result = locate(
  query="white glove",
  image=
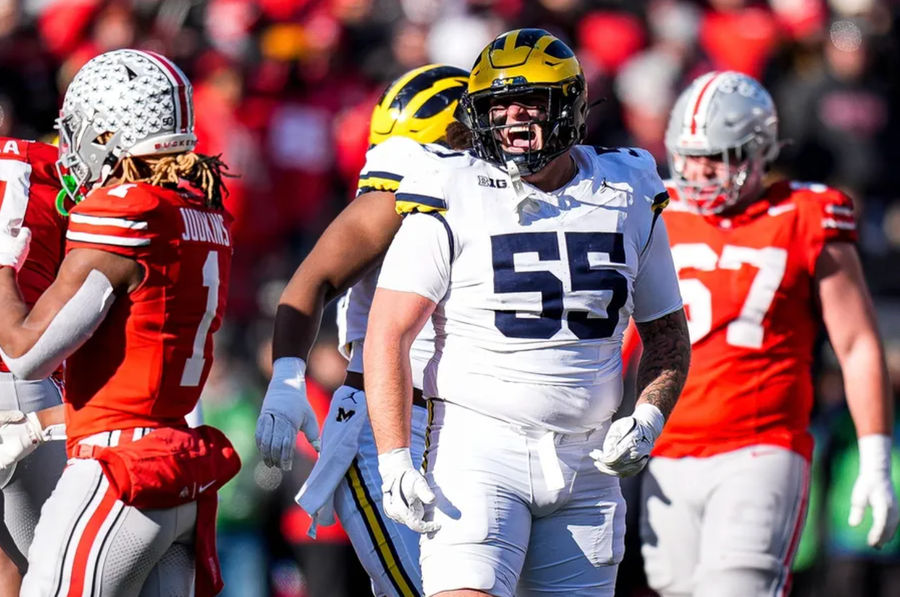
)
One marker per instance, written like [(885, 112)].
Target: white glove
[(20, 435), (873, 488), (14, 242), (405, 491), (285, 409), (628, 442)]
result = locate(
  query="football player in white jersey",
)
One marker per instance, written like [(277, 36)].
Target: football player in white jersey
[(417, 107), (529, 258)]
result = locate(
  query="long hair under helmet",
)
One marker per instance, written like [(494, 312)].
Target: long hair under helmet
[(420, 104), (523, 63), (123, 103), (729, 117)]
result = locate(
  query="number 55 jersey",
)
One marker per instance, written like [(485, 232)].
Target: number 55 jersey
[(748, 285), (149, 358), (534, 289)]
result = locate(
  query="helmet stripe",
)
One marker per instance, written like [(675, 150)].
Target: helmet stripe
[(183, 114), (422, 81), (531, 37), (701, 102)]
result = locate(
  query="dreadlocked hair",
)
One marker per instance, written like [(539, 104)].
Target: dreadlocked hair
[(202, 171)]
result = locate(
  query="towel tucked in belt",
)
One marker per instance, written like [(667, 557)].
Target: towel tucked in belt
[(340, 442)]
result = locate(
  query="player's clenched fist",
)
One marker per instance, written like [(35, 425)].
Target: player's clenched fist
[(20, 435), (406, 491), (285, 409), (628, 442), (14, 242), (873, 489)]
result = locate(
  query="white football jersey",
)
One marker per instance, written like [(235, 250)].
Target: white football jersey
[(386, 165), (533, 295)]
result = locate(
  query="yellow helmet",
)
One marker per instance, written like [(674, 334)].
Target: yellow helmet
[(419, 105), (519, 63)]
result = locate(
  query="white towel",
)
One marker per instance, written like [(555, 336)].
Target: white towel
[(340, 443)]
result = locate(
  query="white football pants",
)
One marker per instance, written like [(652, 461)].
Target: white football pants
[(27, 484), (723, 526), (89, 543), (388, 550), (521, 512)]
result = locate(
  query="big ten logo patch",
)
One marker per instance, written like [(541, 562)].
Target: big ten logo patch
[(492, 183)]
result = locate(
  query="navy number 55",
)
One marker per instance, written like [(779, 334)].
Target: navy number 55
[(578, 245)]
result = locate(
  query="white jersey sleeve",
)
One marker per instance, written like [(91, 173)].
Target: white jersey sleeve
[(656, 291), (656, 284), (419, 258), (387, 164)]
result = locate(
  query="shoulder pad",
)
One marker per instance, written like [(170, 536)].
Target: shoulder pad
[(660, 202), (633, 157), (600, 150), (407, 203), (124, 200), (386, 165), (441, 152), (828, 208), (817, 193), (43, 157), (422, 193), (122, 219)]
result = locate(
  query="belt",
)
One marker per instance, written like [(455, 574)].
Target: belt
[(357, 380), (89, 446)]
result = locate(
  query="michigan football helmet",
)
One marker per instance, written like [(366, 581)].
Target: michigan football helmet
[(527, 63), (122, 103), (730, 118), (420, 104)]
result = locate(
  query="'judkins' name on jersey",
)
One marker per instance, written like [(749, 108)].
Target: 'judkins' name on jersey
[(204, 226)]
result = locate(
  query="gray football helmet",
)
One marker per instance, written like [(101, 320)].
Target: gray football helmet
[(141, 98), (729, 117)]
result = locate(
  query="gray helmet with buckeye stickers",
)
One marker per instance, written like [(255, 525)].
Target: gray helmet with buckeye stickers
[(122, 103), (726, 116)]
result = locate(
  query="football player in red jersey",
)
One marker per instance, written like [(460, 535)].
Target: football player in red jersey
[(132, 310), (28, 190), (759, 264)]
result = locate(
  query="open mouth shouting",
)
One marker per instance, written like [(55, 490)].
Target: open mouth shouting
[(521, 138)]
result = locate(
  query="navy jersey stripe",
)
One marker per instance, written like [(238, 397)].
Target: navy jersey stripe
[(380, 174), (443, 221), (422, 199)]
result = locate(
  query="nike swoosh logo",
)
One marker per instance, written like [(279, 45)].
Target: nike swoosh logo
[(205, 487)]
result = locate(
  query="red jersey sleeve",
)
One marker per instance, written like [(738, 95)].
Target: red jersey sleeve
[(827, 216), (123, 220), (28, 188)]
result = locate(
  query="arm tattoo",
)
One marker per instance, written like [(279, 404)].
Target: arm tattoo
[(665, 361)]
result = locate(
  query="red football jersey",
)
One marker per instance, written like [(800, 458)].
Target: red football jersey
[(28, 188), (147, 362), (749, 295)]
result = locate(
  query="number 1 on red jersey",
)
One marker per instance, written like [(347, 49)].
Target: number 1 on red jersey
[(193, 367)]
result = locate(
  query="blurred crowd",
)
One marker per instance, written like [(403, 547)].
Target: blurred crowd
[(284, 90)]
